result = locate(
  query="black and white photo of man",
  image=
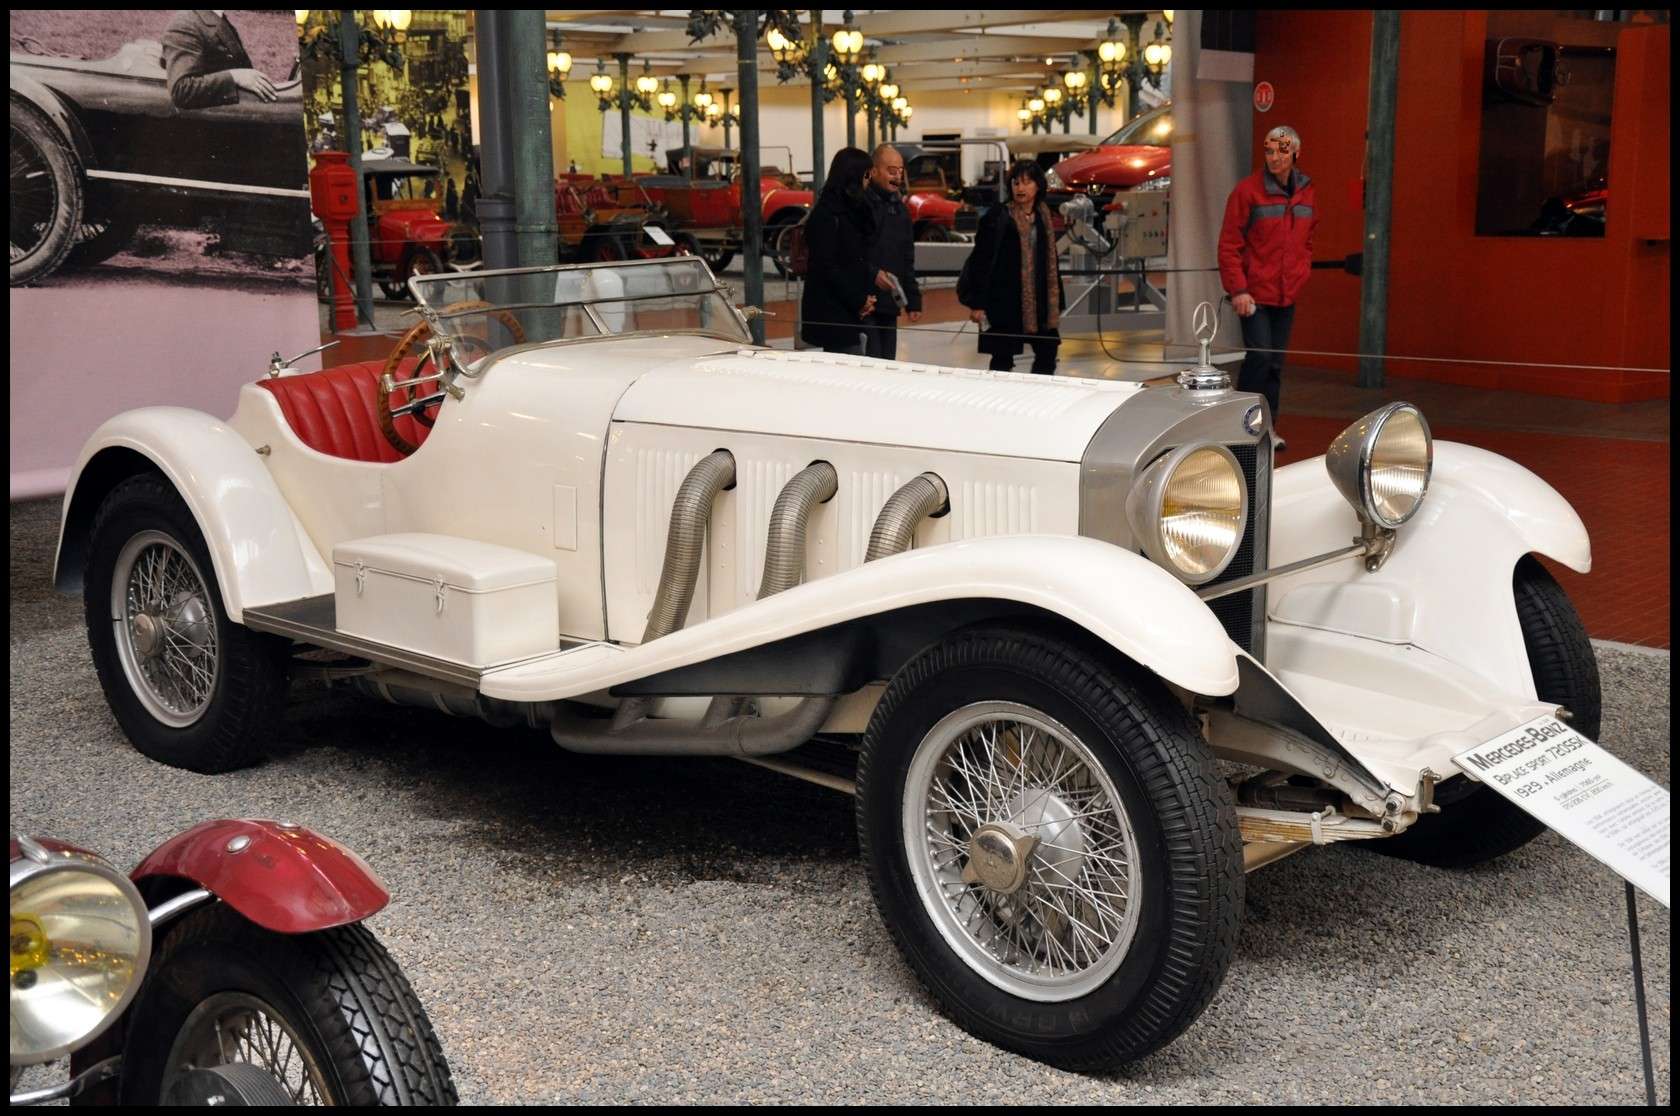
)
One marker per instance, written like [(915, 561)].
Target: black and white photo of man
[(207, 63)]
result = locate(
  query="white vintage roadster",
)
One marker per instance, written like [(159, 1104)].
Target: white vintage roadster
[(1035, 610)]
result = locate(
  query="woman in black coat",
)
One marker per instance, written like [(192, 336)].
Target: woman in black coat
[(1011, 283), (839, 282)]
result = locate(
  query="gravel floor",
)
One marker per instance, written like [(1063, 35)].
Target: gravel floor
[(605, 930)]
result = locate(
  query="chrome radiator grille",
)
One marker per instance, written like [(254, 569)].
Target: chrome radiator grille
[(1244, 614)]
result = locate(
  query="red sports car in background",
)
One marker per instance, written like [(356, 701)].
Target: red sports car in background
[(1134, 158)]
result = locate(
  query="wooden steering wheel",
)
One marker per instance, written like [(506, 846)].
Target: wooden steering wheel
[(391, 381)]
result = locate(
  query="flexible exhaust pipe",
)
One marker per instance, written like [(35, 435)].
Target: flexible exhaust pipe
[(752, 736), (784, 552), (684, 543), (896, 526)]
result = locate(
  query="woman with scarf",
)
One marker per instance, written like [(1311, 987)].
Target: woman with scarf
[(1010, 283), (839, 280)]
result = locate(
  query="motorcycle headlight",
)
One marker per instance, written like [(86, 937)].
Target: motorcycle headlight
[(81, 938), (1381, 464), (1188, 510), (1053, 179)]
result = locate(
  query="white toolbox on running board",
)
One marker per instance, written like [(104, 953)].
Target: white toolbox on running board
[(455, 599)]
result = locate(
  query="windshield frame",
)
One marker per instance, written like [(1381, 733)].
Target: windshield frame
[(438, 317)]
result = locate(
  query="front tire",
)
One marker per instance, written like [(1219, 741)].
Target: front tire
[(1476, 824), (1050, 846), (47, 196), (189, 687), (329, 1015)]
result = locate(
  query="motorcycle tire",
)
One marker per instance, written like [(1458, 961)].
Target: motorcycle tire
[(331, 1009)]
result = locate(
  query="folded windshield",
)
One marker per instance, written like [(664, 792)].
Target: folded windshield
[(483, 312)]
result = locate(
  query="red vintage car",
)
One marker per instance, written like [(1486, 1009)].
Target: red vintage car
[(409, 234), (937, 211), (701, 191), (602, 220), (1134, 158)]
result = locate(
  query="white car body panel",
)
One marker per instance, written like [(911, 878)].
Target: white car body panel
[(646, 465), (259, 548), (1142, 611), (882, 403), (1446, 588)]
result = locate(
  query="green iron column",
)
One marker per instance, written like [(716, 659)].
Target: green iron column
[(752, 201), (350, 41), (535, 227), (1379, 195), (819, 61), (686, 109), (624, 107)]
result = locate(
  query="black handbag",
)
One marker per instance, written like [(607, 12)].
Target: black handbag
[(970, 285)]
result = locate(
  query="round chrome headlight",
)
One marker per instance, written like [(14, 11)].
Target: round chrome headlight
[(81, 939), (1382, 463), (1053, 180), (1188, 511)]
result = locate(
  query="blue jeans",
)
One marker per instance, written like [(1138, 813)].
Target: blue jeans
[(1262, 373)]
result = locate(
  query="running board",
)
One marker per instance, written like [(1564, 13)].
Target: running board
[(314, 620)]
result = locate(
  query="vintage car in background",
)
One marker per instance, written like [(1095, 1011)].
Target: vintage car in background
[(1045, 150), (98, 150), (701, 192), (231, 967), (408, 232), (608, 219), (937, 209), (1136, 157), (1019, 617)]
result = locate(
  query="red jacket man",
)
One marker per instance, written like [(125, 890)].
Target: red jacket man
[(1265, 256)]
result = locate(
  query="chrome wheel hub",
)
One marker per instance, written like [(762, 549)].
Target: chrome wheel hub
[(1021, 851), (232, 1027), (165, 630)]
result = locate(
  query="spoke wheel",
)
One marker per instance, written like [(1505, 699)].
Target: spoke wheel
[(166, 633), (189, 687), (232, 1028), (1022, 851), (1049, 844)]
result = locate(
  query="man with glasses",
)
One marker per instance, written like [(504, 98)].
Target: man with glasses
[(1265, 256)]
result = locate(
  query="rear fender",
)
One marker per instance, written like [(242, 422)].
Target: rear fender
[(258, 548), (279, 875), (837, 624), (1446, 588)]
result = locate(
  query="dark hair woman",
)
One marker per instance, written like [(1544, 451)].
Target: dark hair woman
[(839, 283), (1010, 282)]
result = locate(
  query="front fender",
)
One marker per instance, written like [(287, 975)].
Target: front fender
[(279, 875), (1128, 602), (1446, 588), (258, 548), (53, 107)]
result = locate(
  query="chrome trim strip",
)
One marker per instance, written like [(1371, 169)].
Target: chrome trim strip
[(198, 184), (163, 912), (314, 620)]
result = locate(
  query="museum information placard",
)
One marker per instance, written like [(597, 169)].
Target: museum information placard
[(1588, 795)]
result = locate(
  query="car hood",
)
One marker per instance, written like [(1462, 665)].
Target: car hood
[(856, 399), (1120, 165)]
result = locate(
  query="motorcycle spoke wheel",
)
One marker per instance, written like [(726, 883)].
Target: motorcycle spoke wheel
[(231, 1028)]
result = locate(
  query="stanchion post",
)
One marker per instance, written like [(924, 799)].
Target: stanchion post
[(1379, 193), (350, 45), (1639, 998), (752, 201)]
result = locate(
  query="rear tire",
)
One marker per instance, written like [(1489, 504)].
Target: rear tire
[(1135, 930), (1476, 823), (189, 687)]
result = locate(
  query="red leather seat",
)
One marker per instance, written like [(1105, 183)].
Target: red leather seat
[(333, 411)]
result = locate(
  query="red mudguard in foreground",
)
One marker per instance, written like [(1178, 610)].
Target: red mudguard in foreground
[(279, 875)]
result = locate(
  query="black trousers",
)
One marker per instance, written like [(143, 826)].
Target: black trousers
[(1044, 356), (881, 338), (1262, 372)]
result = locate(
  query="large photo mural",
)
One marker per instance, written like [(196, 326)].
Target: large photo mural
[(158, 177)]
